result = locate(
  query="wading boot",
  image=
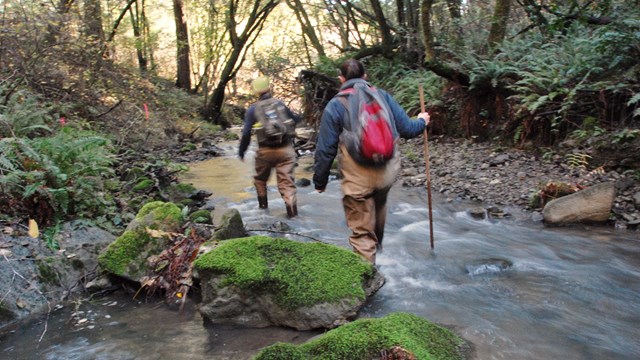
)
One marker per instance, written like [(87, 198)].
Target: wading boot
[(292, 211), (262, 202)]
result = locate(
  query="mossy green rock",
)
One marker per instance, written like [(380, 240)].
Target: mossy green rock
[(127, 255), (201, 217), (261, 281), (177, 193), (369, 338), (158, 215), (143, 185)]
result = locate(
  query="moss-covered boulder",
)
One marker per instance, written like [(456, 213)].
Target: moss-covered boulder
[(396, 336), (180, 192), (201, 217), (262, 281), (231, 226), (143, 185), (158, 215), (128, 255)]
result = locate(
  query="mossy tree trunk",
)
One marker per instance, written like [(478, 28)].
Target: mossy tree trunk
[(499, 23)]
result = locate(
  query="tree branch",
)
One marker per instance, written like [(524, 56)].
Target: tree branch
[(119, 19)]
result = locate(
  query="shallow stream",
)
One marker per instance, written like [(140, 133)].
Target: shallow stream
[(514, 289)]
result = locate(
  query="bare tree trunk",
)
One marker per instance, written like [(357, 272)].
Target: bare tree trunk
[(135, 23), (93, 21), (400, 13), (307, 26), (146, 36), (385, 30), (182, 43), (94, 33), (240, 42)]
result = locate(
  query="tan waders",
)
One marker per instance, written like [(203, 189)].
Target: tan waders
[(365, 192), (283, 160)]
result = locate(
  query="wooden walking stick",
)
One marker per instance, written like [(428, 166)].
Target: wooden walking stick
[(426, 159)]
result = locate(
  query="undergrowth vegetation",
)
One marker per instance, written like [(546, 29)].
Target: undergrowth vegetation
[(51, 170), (541, 86), (561, 83), (78, 135)]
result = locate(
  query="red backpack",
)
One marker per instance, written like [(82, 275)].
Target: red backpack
[(368, 128)]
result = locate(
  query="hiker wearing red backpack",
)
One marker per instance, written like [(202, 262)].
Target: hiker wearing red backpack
[(362, 125), (274, 126)]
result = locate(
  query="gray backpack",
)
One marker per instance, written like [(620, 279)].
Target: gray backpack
[(274, 126)]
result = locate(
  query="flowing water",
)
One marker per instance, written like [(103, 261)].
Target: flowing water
[(514, 289)]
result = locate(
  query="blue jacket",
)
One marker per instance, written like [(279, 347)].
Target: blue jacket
[(250, 119), (332, 123)]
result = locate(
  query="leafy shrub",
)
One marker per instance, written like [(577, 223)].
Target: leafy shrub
[(402, 82), (22, 116), (50, 178)]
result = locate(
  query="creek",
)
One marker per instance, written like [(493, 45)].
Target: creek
[(514, 289)]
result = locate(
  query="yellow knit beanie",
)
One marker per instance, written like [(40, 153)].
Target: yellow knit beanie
[(260, 85)]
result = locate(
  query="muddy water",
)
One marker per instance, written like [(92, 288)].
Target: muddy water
[(515, 290)]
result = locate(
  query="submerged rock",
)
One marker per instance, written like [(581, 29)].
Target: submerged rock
[(261, 281), (395, 336), (488, 266)]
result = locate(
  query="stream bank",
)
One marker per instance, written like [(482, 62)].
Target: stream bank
[(492, 175)]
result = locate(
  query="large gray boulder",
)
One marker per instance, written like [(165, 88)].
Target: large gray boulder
[(261, 281), (592, 204), (35, 276)]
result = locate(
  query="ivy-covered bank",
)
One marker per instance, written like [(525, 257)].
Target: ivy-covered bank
[(396, 336)]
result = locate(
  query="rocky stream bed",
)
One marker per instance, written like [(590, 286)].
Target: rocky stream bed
[(508, 178), (502, 180)]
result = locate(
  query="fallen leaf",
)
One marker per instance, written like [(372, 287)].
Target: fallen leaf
[(5, 252), (33, 229), (7, 230), (21, 304), (156, 233)]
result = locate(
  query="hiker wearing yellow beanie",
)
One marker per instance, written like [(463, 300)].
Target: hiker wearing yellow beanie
[(260, 85), (274, 125)]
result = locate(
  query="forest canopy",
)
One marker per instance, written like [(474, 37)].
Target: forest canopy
[(515, 69)]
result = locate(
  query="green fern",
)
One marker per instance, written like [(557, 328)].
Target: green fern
[(23, 116), (577, 160)]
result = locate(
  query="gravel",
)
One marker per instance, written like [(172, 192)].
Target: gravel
[(507, 177)]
